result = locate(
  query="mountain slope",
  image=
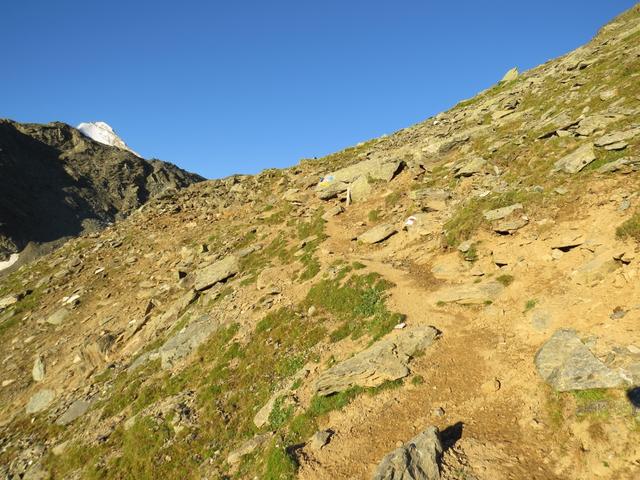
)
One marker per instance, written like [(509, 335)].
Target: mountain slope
[(56, 182), (477, 273)]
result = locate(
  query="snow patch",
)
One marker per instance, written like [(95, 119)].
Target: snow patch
[(13, 258), (103, 133)]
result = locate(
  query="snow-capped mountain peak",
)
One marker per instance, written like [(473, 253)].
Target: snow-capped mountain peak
[(103, 133)]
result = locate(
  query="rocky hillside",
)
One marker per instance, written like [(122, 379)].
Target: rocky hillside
[(456, 301), (57, 182)]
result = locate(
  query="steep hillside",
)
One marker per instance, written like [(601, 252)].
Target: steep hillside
[(458, 300), (56, 183)]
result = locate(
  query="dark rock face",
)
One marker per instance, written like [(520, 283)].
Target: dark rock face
[(56, 183)]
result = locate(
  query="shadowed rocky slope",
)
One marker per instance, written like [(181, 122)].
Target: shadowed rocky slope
[(56, 183)]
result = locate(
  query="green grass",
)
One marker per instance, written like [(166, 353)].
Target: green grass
[(374, 215), (358, 304), (630, 228), (505, 280), (468, 218), (392, 199), (530, 304)]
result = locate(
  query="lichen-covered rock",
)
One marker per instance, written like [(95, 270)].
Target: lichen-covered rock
[(566, 363), (418, 459), (385, 360)]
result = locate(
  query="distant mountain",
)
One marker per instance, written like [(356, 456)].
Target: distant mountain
[(57, 182), (102, 132)]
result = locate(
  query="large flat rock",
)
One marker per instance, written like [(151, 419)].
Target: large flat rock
[(378, 233), (566, 364), (385, 360), (470, 294), (576, 160), (217, 272)]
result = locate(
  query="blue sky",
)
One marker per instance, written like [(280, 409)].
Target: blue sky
[(238, 86)]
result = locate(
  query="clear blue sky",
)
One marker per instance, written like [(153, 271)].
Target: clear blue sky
[(221, 87)]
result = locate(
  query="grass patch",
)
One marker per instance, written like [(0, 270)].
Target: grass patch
[(468, 218), (530, 304), (358, 303), (630, 228), (374, 215), (505, 280)]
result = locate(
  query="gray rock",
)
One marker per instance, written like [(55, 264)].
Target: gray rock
[(418, 459), (503, 212), (360, 190), (469, 167), (38, 370), (262, 417), (332, 212), (319, 439), (576, 160), (332, 190), (247, 447), (375, 169), (9, 300), (40, 401), (510, 225), (626, 163), (217, 272), (471, 294), (617, 137), (566, 364), (186, 340), (511, 75), (596, 269), (385, 360), (378, 233), (431, 198), (59, 316), (75, 410)]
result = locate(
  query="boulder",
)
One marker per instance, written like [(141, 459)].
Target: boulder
[(596, 269), (470, 294), (38, 370), (59, 316), (576, 160), (385, 360), (319, 439), (469, 167), (417, 459), (9, 300), (616, 137), (332, 190), (511, 75), (40, 401), (431, 198), (510, 225), (503, 212), (378, 234), (566, 363), (217, 272), (247, 447), (186, 340), (626, 164), (332, 212), (75, 410), (360, 190)]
